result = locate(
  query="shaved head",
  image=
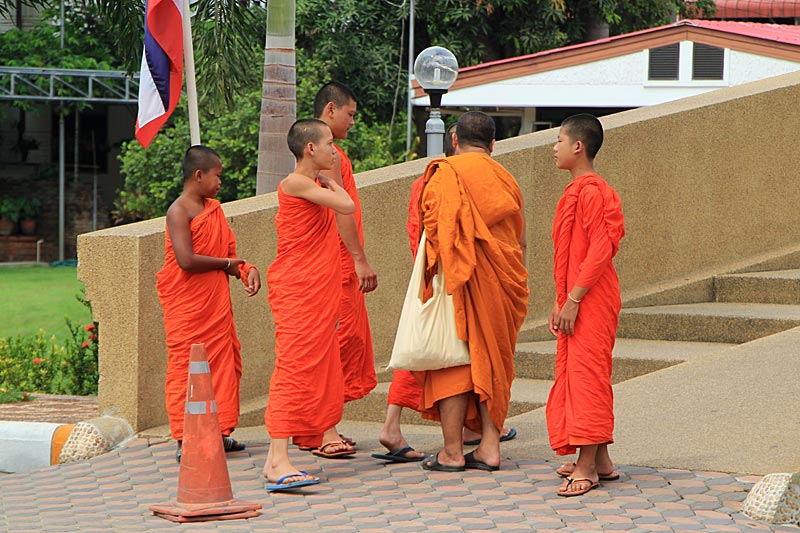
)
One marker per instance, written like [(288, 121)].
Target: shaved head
[(302, 132), (199, 157), (587, 129)]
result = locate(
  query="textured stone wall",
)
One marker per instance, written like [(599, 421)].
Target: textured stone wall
[(705, 182)]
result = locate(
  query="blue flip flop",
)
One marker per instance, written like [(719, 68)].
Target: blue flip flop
[(398, 456), (511, 434), (280, 485)]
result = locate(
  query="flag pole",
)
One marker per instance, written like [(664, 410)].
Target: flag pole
[(191, 86)]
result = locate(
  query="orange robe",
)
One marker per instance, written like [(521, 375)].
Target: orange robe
[(404, 390), (305, 391), (355, 339), (197, 309), (587, 230), (472, 215)]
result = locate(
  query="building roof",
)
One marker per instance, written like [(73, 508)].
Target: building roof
[(771, 40), (752, 9)]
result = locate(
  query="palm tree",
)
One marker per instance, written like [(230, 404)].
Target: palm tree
[(278, 97)]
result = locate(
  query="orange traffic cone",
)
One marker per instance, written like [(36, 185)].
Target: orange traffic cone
[(204, 487)]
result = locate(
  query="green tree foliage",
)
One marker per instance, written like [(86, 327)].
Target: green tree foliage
[(153, 178)]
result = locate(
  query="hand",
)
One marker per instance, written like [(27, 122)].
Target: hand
[(253, 282), (552, 321), (233, 269), (567, 317), (327, 182), (367, 278)]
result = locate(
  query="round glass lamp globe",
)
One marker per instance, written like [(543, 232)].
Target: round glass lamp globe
[(436, 68)]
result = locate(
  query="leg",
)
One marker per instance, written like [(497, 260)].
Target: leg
[(278, 464), (488, 450), (585, 472), (452, 411), (604, 465), (391, 436)]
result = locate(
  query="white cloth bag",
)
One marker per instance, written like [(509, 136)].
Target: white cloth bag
[(427, 338)]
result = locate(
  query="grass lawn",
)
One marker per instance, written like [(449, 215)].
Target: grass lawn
[(40, 297)]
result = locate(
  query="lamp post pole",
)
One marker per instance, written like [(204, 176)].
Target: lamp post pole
[(434, 127)]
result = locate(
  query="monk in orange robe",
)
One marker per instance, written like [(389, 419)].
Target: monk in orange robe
[(306, 389), (587, 230), (195, 296), (404, 391), (336, 105), (472, 213)]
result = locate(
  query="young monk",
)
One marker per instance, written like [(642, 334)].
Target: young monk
[(472, 213), (404, 390), (587, 230), (336, 105), (195, 297), (306, 389)]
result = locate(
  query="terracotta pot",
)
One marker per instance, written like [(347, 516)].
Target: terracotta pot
[(27, 226), (7, 227)]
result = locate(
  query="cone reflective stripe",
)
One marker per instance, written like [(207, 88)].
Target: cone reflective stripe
[(204, 486)]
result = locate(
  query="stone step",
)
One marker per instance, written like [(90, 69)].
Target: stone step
[(707, 322), (632, 357), (526, 395), (773, 287)]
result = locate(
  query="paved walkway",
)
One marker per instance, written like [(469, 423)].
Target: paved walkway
[(113, 492)]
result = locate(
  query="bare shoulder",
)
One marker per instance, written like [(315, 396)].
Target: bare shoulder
[(296, 184)]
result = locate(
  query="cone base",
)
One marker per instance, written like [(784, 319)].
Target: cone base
[(204, 512)]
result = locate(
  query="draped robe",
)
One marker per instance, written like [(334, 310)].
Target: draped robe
[(471, 210), (306, 389), (197, 309), (587, 230), (355, 338)]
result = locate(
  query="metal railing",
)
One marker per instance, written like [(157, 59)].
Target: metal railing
[(68, 85)]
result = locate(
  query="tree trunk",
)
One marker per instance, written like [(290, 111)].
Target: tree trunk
[(278, 97)]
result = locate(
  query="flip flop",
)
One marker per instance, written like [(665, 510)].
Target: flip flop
[(611, 476), (398, 456), (503, 438), (320, 452), (476, 464), (280, 485), (232, 445), (569, 493), (432, 463)]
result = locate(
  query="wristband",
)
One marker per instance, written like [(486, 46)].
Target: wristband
[(229, 263), (573, 299)]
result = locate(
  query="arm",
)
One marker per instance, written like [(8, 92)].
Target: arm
[(246, 272), (329, 195), (348, 232), (598, 256), (180, 234)]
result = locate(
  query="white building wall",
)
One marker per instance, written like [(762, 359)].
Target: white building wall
[(615, 82)]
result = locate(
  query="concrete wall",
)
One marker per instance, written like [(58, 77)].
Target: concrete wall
[(706, 183)]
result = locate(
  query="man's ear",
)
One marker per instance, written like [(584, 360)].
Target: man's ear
[(491, 147), (330, 108), (197, 174), (579, 147)]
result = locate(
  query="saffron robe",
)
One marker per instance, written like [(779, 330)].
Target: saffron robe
[(306, 389), (472, 213), (587, 230), (355, 338), (197, 309), (404, 389)]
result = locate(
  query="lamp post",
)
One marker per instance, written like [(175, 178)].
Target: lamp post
[(435, 69)]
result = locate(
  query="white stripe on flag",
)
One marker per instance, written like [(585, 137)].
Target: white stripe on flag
[(150, 105)]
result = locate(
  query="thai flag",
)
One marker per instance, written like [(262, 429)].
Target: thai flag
[(162, 67)]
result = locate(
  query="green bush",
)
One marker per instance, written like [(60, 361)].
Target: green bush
[(38, 363)]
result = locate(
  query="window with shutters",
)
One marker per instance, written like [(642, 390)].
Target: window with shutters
[(664, 62), (708, 62)]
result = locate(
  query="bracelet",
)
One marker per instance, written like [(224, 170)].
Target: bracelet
[(573, 299), (229, 263)]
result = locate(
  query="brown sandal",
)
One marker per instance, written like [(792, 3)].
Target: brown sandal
[(569, 493), (320, 452)]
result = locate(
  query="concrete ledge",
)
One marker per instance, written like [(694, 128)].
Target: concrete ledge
[(775, 499), (29, 445)]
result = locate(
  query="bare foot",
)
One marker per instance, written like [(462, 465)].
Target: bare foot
[(275, 470), (471, 436), (396, 442), (603, 471)]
